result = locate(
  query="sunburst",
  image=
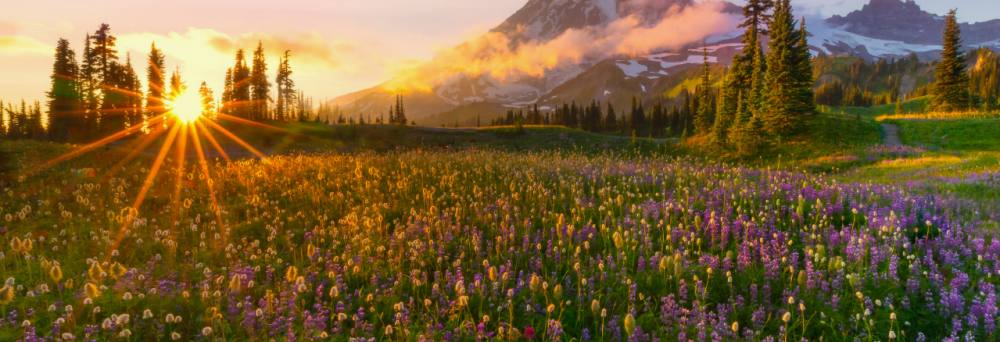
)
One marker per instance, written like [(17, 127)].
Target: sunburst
[(184, 115), (187, 107)]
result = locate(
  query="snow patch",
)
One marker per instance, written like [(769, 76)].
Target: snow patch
[(876, 47), (609, 8), (633, 68), (712, 49), (691, 60), (606, 93)]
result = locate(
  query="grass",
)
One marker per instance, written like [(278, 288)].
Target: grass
[(957, 135), (917, 105), (444, 235)]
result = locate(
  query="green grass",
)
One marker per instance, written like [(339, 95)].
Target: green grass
[(916, 105), (957, 135)]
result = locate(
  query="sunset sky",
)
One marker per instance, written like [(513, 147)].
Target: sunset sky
[(337, 46)]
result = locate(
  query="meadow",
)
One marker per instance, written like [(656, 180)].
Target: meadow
[(460, 240)]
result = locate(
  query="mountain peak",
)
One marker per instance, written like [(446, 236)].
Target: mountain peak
[(546, 19), (892, 20)]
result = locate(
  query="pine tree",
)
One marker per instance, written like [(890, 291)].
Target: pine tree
[(951, 91), (177, 86), (63, 97), (227, 93), (3, 127), (133, 88), (400, 110), (703, 119), (755, 16), (240, 98), (286, 88), (90, 88), (36, 130), (207, 100), (899, 107), (260, 86), (805, 98), (725, 113), (156, 82), (611, 121), (783, 96), (111, 76)]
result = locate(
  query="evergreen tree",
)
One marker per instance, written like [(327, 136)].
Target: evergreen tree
[(133, 93), (227, 93), (805, 98), (90, 88), (951, 91), (36, 131), (177, 86), (286, 87), (725, 113), (611, 121), (400, 110), (156, 82), (703, 119), (207, 100), (260, 86), (240, 98), (783, 101), (108, 74), (899, 107), (3, 126), (63, 96), (755, 16)]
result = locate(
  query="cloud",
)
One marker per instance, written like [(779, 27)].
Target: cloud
[(308, 48), (206, 47), (7, 29), (490, 54), (21, 45)]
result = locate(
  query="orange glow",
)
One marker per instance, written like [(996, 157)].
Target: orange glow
[(187, 107)]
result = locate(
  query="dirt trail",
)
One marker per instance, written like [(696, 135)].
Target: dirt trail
[(891, 135)]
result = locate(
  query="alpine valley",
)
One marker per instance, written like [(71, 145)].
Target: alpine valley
[(884, 30)]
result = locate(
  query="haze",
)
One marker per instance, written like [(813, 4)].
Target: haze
[(337, 47)]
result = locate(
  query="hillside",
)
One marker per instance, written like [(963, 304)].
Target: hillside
[(881, 29)]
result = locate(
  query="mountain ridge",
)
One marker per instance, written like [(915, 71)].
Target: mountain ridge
[(867, 33)]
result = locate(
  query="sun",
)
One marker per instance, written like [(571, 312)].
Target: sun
[(187, 107)]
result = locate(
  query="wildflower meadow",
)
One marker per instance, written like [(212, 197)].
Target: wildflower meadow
[(495, 245)]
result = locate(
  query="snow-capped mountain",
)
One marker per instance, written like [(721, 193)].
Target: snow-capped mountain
[(882, 28)]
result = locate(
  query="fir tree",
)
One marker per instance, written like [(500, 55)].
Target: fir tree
[(783, 101), (951, 91), (286, 87), (611, 121), (90, 89), (400, 110), (703, 119), (260, 93), (63, 96), (156, 82), (227, 93), (240, 97), (207, 100)]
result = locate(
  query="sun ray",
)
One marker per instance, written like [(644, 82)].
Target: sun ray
[(212, 140), (133, 152), (181, 149), (236, 139), (255, 123), (156, 166), (208, 176), (89, 147)]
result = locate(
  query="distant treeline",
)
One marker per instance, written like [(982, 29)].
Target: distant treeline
[(101, 94)]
